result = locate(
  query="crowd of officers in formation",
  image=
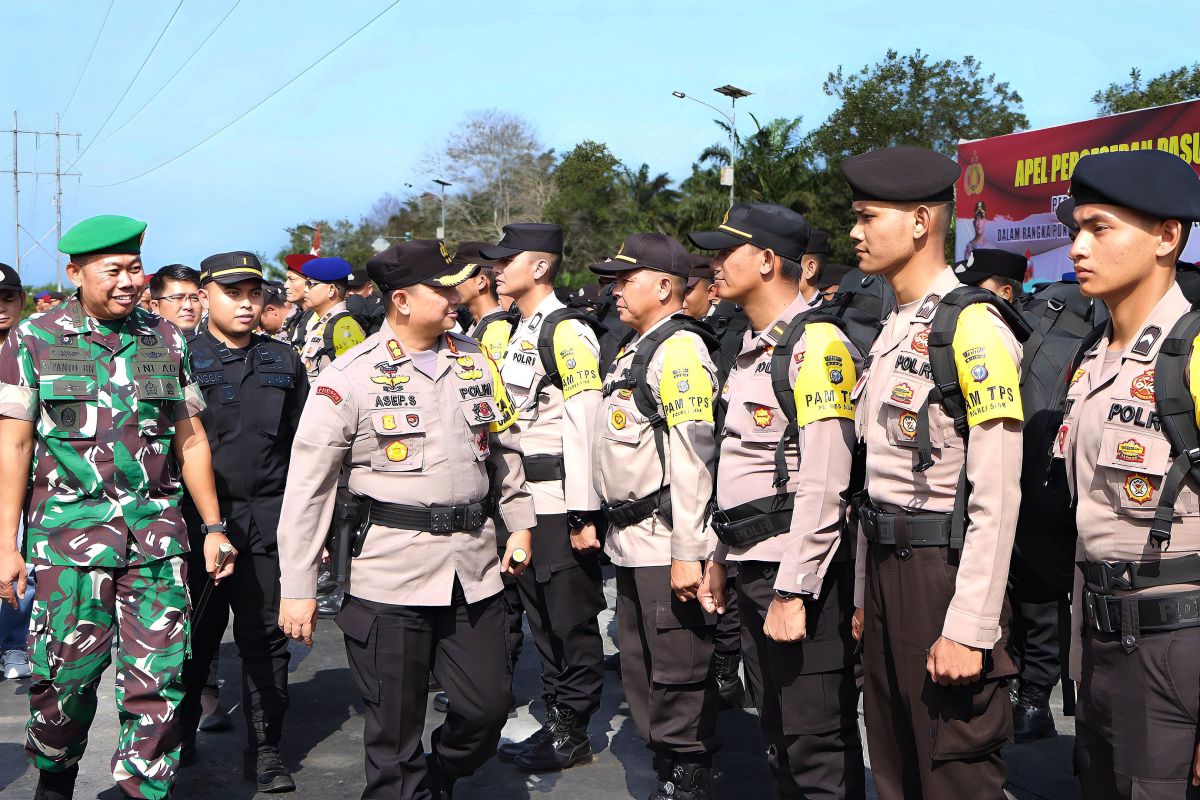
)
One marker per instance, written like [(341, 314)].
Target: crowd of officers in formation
[(776, 491)]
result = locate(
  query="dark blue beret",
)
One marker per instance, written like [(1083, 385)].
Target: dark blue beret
[(326, 269)]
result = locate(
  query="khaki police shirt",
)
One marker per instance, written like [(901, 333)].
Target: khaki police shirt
[(557, 421), (1117, 454), (823, 369), (404, 438), (895, 384), (625, 461)]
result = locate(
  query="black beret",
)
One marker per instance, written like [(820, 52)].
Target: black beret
[(901, 174), (763, 225), (1066, 214), (230, 268), (986, 263), (1153, 182), (419, 261), (521, 237)]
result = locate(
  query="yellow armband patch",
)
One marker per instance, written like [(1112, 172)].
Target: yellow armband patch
[(685, 388), (1194, 376), (577, 365), (826, 376), (346, 333), (987, 374), (494, 339), (506, 410)]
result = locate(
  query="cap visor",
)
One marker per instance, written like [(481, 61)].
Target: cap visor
[(610, 267), (715, 240), (452, 276), (971, 277), (496, 252)]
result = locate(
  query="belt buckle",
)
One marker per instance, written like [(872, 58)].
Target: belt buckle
[(1114, 573)]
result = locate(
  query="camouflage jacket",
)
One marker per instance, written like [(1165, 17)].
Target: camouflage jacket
[(104, 397)]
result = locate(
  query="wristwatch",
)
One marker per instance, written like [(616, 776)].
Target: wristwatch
[(216, 527), (577, 519)]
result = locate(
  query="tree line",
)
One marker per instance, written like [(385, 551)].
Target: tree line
[(501, 171)]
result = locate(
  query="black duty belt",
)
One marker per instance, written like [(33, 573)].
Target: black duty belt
[(904, 530), (1168, 612), (756, 521), (624, 515), (435, 519), (544, 468), (1105, 576)]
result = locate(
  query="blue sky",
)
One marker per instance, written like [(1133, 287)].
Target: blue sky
[(357, 125)]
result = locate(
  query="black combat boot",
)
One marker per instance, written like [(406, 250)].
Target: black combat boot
[(684, 781), (509, 751), (439, 783), (56, 785), (1032, 718), (566, 745), (260, 760), (730, 689)]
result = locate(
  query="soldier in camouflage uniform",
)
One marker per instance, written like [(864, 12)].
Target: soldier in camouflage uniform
[(99, 396)]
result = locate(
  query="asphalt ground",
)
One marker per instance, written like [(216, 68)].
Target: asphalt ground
[(323, 742)]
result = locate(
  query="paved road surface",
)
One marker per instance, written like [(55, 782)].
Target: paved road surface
[(323, 743)]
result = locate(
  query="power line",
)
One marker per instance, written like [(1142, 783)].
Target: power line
[(236, 119), (168, 82), (91, 53), (129, 86)]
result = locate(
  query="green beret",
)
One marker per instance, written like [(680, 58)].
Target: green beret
[(107, 233)]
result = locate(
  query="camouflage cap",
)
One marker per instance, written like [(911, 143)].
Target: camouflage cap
[(108, 233)]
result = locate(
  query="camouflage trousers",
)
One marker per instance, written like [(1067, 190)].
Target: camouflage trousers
[(76, 613)]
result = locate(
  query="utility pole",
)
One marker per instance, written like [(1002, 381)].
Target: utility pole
[(58, 174)]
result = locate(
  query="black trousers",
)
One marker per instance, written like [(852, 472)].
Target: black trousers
[(805, 692), (728, 637), (1035, 642), (666, 655), (562, 595), (252, 593), (1135, 725), (391, 650)]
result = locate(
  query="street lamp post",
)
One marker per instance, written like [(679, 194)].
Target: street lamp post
[(443, 184), (734, 94)]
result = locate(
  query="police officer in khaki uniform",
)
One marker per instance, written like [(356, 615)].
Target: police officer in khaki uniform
[(420, 418), (796, 577), (934, 634), (656, 478), (561, 593), (493, 325), (1137, 599), (332, 330)]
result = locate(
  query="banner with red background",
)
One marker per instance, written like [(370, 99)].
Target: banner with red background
[(1011, 184)]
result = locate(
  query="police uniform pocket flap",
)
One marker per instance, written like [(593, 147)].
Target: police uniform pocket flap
[(68, 389), (398, 423), (1124, 449), (479, 412), (356, 622), (620, 423), (672, 614), (764, 422), (905, 392)]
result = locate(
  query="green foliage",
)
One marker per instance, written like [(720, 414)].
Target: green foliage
[(1173, 86), (593, 207)]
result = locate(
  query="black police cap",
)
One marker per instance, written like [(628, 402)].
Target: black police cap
[(901, 174), (832, 275), (230, 268), (702, 267), (9, 279), (419, 261), (763, 225), (1153, 182), (818, 243), (468, 255), (522, 237), (988, 263), (656, 251)]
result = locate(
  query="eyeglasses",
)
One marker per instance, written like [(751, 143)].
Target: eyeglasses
[(179, 299), (310, 283)]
